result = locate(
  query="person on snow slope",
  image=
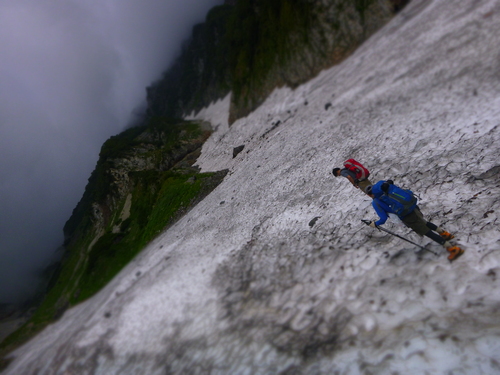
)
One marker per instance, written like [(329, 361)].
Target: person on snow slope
[(355, 172), (390, 199)]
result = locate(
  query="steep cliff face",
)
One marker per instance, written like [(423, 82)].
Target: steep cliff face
[(250, 47), (292, 42), (200, 74), (156, 146)]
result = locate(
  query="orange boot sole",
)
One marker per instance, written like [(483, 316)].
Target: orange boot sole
[(455, 252), (447, 235)]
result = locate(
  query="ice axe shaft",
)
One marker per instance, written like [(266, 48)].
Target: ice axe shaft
[(367, 222)]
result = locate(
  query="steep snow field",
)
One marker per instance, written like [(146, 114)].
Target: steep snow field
[(247, 283)]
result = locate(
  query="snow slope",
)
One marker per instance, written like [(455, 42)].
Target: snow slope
[(243, 284)]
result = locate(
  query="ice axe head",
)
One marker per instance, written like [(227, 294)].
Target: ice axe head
[(367, 222)]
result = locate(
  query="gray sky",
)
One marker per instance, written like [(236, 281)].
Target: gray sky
[(71, 73)]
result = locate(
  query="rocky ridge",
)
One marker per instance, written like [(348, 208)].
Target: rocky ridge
[(283, 44)]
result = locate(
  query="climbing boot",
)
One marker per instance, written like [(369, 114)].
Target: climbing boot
[(455, 252), (446, 235)]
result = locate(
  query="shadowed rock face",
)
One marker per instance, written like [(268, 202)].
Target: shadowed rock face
[(243, 283), (283, 43)]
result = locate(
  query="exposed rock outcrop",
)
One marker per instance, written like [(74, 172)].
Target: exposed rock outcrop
[(282, 43)]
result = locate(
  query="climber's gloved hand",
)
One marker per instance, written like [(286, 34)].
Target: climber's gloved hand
[(372, 224)]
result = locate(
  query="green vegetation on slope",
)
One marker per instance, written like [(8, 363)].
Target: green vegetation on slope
[(155, 198), (158, 199), (259, 36), (165, 134)]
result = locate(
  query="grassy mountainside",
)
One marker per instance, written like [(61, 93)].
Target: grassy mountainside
[(142, 183)]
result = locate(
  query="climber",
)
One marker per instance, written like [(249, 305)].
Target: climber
[(355, 172), (389, 198)]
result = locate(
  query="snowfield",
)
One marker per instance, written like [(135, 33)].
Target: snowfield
[(248, 283)]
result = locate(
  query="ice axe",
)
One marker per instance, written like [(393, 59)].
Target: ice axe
[(367, 222)]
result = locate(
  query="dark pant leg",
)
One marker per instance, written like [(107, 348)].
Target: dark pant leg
[(363, 184), (431, 226), (416, 221), (435, 237)]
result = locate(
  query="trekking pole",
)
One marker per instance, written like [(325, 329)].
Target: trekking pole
[(367, 222)]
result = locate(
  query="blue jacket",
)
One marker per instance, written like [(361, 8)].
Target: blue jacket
[(382, 210)]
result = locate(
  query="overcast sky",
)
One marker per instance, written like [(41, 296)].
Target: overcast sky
[(71, 73)]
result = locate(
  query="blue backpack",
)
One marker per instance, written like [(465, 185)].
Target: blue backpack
[(401, 201)]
